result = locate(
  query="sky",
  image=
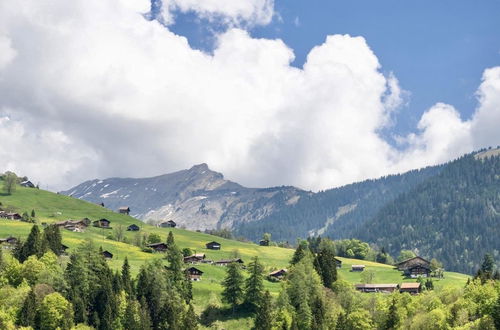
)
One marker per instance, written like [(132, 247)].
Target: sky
[(315, 94)]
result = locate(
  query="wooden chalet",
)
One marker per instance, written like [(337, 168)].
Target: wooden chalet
[(158, 247), (264, 242), (194, 259), (415, 267), (278, 274), (226, 262), (194, 274), (213, 245), (8, 240), (168, 224), (27, 184), (10, 215), (74, 225), (385, 288), (357, 268), (64, 248), (411, 288), (102, 223), (338, 262), (107, 255), (206, 261), (124, 210), (133, 227)]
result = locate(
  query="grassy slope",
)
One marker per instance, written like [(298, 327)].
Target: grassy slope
[(50, 207)]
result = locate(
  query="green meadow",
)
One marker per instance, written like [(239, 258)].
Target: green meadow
[(51, 207)]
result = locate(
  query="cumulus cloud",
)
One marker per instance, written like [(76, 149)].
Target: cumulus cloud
[(93, 89)]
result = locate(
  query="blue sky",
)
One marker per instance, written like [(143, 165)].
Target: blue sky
[(438, 50)]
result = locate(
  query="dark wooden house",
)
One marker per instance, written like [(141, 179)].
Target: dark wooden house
[(158, 247), (108, 255), (213, 245), (194, 274), (133, 227), (27, 184), (226, 262), (124, 210), (264, 242), (411, 288), (8, 240), (338, 262), (13, 216), (278, 274), (357, 268), (415, 267), (168, 224), (194, 259), (102, 223), (385, 288), (64, 248)]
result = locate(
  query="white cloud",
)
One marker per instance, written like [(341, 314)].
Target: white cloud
[(233, 12), (95, 90)]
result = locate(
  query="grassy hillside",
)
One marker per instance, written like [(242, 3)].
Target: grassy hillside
[(50, 207)]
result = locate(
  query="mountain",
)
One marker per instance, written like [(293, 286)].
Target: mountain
[(197, 198), (337, 212), (453, 216)]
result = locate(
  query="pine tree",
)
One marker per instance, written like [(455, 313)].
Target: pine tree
[(190, 319), (32, 246), (33, 213), (27, 314), (254, 285), (326, 266), (52, 239), (126, 279), (392, 316), (264, 316), (233, 283), (301, 251)]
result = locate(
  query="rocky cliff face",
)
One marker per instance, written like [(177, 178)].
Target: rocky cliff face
[(198, 198)]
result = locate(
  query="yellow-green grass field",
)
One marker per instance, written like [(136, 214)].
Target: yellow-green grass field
[(51, 207)]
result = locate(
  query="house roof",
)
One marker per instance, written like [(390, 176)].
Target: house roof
[(279, 271), (228, 261), (414, 285), (376, 286), (193, 269), (124, 208), (412, 259), (213, 243), (358, 266)]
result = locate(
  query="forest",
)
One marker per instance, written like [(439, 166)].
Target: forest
[(41, 288)]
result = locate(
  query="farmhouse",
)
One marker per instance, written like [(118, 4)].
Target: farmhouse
[(411, 288), (168, 224), (264, 242), (107, 255), (64, 248), (10, 215), (213, 245), (74, 225), (357, 268), (158, 247), (27, 184), (102, 223), (9, 240), (194, 259), (415, 267), (133, 227), (124, 210), (338, 262), (278, 274), (385, 288), (226, 262), (194, 274)]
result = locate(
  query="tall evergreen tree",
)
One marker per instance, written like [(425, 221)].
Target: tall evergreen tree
[(32, 246), (264, 313), (254, 284), (326, 266), (52, 239), (301, 251), (126, 279), (233, 286), (190, 319), (392, 320), (27, 314)]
